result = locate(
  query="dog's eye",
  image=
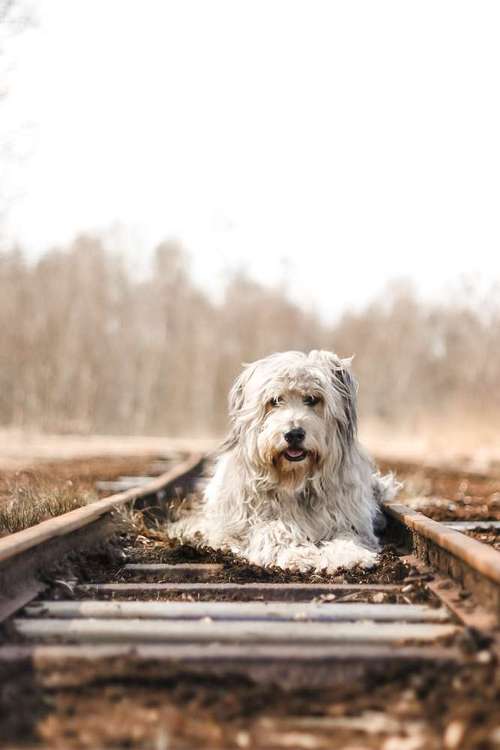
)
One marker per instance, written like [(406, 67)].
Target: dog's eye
[(311, 400), (275, 401)]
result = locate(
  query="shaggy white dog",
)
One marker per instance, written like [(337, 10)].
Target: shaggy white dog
[(292, 486)]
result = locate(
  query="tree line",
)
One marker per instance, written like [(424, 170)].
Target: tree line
[(87, 346)]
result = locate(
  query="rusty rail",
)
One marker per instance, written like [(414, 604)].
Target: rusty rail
[(27, 556), (21, 541), (474, 565)]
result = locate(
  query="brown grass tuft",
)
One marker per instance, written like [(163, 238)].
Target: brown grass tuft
[(30, 499)]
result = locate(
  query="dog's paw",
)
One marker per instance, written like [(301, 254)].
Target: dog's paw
[(326, 558), (370, 560), (345, 553), (298, 559)]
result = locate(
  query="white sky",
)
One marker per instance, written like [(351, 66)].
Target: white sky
[(359, 140)]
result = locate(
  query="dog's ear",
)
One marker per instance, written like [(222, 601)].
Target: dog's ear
[(236, 402), (348, 386), (345, 383)]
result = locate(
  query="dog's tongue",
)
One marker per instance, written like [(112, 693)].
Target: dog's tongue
[(293, 453)]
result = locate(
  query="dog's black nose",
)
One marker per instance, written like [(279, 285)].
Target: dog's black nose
[(295, 436)]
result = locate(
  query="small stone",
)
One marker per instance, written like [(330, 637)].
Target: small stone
[(483, 657), (494, 500), (495, 736), (67, 586), (379, 597), (296, 740), (327, 597), (243, 739), (162, 740), (300, 616), (453, 734), (408, 695), (417, 681), (404, 743)]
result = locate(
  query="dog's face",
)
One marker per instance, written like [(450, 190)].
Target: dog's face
[(293, 415)]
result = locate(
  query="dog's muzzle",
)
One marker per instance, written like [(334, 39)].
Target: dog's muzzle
[(295, 451)]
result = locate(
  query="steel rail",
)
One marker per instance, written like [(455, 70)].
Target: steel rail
[(478, 556)]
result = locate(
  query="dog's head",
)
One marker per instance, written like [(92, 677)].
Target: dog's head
[(293, 415)]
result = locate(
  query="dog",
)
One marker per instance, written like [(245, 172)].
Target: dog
[(292, 487)]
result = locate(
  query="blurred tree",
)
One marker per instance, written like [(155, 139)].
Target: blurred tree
[(86, 346)]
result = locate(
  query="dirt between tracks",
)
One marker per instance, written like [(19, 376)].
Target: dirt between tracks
[(427, 709), (390, 568), (106, 565), (152, 546), (447, 495)]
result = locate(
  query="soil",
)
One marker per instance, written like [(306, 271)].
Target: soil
[(147, 545), (446, 494), (389, 570), (487, 537), (150, 546), (424, 710), (427, 709)]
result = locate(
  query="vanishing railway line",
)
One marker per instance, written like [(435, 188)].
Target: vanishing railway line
[(146, 620)]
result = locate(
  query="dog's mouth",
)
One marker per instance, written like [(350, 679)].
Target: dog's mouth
[(295, 454)]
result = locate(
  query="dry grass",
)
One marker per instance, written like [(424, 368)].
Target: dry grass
[(30, 499)]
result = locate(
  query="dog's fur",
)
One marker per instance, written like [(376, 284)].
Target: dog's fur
[(311, 506)]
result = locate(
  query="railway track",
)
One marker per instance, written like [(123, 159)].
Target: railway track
[(147, 621)]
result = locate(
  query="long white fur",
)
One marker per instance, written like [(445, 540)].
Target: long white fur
[(317, 514)]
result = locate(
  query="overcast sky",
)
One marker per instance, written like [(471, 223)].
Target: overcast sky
[(358, 140)]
